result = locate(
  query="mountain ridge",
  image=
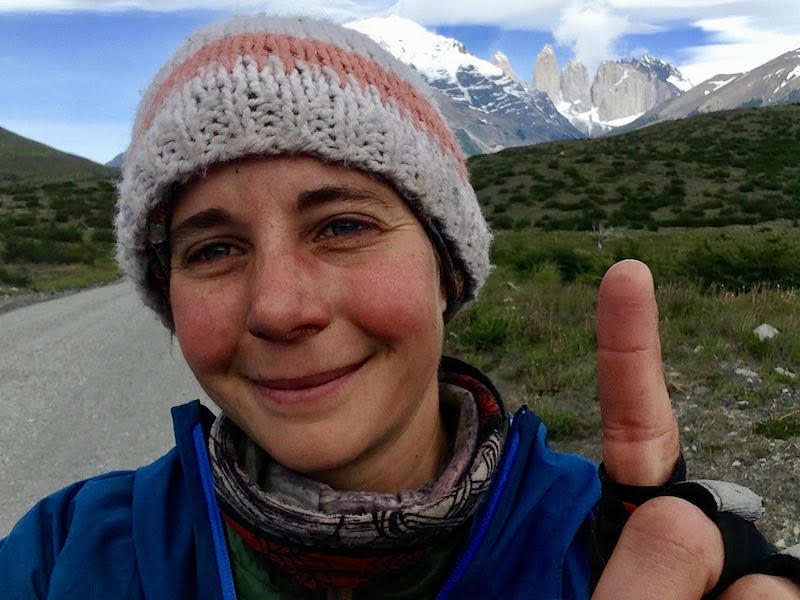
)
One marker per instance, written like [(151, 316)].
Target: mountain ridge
[(620, 91), (733, 167), (486, 107), (21, 157), (775, 82)]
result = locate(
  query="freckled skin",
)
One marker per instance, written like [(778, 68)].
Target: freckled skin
[(284, 296)]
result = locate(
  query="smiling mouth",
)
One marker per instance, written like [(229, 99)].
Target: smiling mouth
[(309, 381)]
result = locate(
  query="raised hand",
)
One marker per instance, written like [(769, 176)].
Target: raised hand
[(668, 549), (640, 434)]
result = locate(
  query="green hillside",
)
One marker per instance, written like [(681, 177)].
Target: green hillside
[(732, 167), (712, 205), (26, 159), (56, 214)]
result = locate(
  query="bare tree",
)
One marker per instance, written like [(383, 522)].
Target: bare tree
[(602, 233)]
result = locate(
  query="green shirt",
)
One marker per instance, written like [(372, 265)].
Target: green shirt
[(257, 578)]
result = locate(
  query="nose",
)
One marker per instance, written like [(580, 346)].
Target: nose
[(289, 300)]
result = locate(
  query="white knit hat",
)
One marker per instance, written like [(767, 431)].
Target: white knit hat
[(263, 85)]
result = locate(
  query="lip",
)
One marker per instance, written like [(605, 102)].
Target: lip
[(306, 389)]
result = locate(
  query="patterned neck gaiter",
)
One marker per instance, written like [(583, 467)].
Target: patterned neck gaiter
[(324, 538)]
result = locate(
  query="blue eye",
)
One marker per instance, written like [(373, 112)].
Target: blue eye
[(339, 228), (345, 227), (215, 251)]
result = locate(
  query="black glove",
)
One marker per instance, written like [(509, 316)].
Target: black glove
[(733, 508)]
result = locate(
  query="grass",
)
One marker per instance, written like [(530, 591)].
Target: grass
[(725, 168), (56, 235), (22, 159), (533, 332), (533, 328), (781, 428)]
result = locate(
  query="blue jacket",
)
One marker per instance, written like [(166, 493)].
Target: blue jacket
[(156, 533)]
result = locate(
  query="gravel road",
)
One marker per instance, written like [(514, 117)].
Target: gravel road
[(86, 383)]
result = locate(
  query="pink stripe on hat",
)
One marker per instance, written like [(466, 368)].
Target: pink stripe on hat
[(291, 50), (269, 85)]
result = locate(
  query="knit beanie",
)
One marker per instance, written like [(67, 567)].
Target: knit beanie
[(265, 86)]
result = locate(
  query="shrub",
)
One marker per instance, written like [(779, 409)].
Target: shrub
[(743, 265), (42, 252), (23, 220), (563, 424), (547, 273), (103, 236), (14, 277), (781, 429), (502, 221), (523, 223), (99, 221), (527, 259), (488, 328), (57, 233)]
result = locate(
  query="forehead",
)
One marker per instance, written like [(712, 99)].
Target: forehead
[(295, 183)]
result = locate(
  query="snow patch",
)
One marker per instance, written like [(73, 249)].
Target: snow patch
[(589, 121), (621, 79), (721, 83), (436, 57), (680, 83), (792, 75), (623, 121)]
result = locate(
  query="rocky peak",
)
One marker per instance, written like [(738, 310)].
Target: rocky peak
[(663, 71), (620, 90), (545, 74), (484, 103), (574, 84), (500, 61)]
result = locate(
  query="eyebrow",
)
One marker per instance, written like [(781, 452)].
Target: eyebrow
[(323, 195), (214, 217), (205, 219)]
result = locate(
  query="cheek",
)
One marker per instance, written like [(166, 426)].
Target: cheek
[(205, 325), (400, 298)]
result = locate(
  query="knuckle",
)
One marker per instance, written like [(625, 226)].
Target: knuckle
[(677, 531), (758, 587)]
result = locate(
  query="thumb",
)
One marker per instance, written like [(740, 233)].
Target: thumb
[(640, 434)]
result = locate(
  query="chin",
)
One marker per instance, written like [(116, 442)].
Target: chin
[(311, 452)]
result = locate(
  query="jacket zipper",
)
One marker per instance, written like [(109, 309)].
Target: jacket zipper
[(214, 519), (493, 502)]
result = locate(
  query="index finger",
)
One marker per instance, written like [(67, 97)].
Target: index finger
[(640, 434)]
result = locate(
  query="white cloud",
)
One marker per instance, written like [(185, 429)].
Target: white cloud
[(742, 33), (518, 14), (334, 9), (591, 27), (739, 44)]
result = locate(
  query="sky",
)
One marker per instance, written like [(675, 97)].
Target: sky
[(72, 71)]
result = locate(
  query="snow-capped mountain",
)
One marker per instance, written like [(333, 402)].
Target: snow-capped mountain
[(488, 108), (663, 71), (500, 61), (774, 82), (620, 92)]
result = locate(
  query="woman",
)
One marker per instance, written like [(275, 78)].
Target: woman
[(295, 210)]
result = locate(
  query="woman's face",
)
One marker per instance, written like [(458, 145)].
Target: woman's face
[(306, 300)]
